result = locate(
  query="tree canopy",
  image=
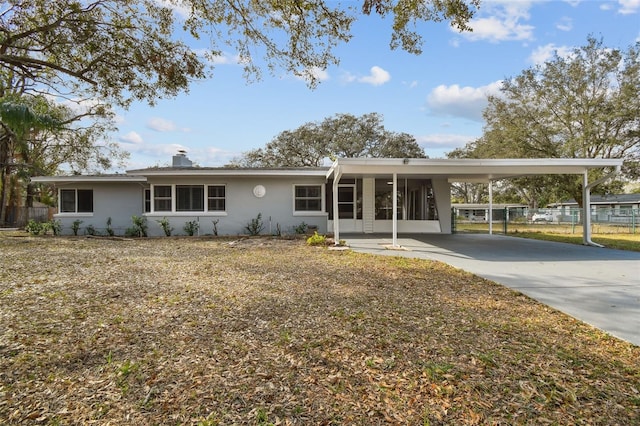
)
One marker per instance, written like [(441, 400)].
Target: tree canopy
[(125, 50), (343, 135), (584, 105)]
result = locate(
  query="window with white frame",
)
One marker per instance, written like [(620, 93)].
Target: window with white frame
[(189, 198), (216, 198), (307, 198), (162, 198), (185, 198), (76, 201), (147, 200)]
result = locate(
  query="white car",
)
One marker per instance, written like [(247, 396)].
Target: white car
[(542, 217)]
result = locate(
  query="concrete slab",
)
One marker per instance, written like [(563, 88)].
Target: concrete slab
[(599, 286)]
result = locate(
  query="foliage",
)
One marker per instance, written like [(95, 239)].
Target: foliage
[(343, 135), (255, 226), (75, 226), (34, 228), (584, 105), (317, 239), (109, 228), (56, 227), (166, 226), (139, 228), (90, 230), (69, 45), (191, 227), (301, 228)]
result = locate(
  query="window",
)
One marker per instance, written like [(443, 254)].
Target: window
[(162, 198), (76, 201), (147, 200), (308, 198), (189, 198), (216, 198)]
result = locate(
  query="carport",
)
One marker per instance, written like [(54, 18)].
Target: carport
[(442, 172)]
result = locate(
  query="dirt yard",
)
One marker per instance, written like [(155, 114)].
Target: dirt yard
[(203, 331)]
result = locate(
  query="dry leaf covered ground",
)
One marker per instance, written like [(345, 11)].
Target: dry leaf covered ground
[(259, 331)]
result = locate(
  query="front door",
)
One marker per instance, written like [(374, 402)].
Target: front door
[(347, 208)]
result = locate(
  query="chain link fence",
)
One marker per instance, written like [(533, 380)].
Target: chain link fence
[(563, 220)]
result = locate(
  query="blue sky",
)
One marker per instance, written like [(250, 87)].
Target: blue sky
[(438, 96)]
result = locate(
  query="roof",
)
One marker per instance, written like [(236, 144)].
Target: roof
[(455, 170), (469, 170), (606, 199), (88, 178), (227, 171)]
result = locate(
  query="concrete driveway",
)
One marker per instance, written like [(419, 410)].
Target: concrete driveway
[(599, 286)]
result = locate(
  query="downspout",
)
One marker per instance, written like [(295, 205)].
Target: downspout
[(394, 204), (586, 204)]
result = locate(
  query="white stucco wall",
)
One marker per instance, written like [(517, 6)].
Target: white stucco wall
[(276, 206), (118, 201)]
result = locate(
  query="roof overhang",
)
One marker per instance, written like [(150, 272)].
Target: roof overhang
[(88, 179), (469, 170), (231, 172)]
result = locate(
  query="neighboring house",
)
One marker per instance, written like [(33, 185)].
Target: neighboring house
[(480, 212), (620, 208), (356, 191)]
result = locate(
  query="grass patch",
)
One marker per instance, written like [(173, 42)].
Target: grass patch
[(261, 331)]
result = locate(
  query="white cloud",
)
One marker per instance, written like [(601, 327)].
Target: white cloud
[(565, 24), (503, 22), (444, 141), (314, 72), (377, 77), (132, 138), (545, 53), (161, 125), (465, 102), (628, 7)]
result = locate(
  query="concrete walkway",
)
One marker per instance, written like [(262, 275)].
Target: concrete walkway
[(596, 285)]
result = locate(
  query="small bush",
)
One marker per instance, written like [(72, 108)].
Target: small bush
[(109, 228), (191, 228), (55, 226), (256, 225), (75, 226), (317, 240), (301, 229), (90, 230), (34, 228), (139, 228), (215, 226), (166, 226)]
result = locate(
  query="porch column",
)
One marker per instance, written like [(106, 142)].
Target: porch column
[(395, 210), (336, 214), (586, 209), (490, 207)]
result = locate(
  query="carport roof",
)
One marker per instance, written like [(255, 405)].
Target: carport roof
[(469, 170)]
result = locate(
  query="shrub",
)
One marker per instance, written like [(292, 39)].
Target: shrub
[(301, 229), (255, 226), (166, 226), (34, 228), (75, 226), (191, 228), (139, 228), (55, 226), (215, 226), (109, 228), (90, 230), (317, 239)]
